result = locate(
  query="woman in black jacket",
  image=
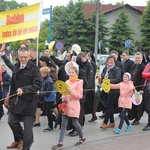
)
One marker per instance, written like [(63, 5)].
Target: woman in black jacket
[(136, 72), (113, 73)]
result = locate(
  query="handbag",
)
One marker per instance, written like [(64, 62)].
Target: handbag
[(63, 107)]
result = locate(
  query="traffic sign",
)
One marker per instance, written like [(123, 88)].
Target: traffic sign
[(59, 45), (46, 11), (127, 43)]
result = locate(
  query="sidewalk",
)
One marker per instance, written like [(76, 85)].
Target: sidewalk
[(131, 141), (96, 139)]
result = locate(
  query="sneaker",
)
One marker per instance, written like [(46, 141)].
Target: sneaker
[(128, 128), (48, 129), (81, 141), (117, 130), (59, 145)]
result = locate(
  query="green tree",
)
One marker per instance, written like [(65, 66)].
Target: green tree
[(145, 27), (103, 31), (15, 45), (32, 46), (120, 32), (62, 22), (90, 1), (9, 5), (59, 23), (78, 29), (44, 31), (120, 3), (41, 46)]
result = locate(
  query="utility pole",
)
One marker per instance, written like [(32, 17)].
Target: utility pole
[(97, 28)]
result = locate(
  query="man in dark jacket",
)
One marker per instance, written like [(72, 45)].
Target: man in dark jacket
[(127, 63), (26, 81)]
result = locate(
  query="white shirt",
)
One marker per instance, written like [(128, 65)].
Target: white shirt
[(22, 66)]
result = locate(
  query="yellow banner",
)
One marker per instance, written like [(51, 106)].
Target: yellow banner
[(20, 24)]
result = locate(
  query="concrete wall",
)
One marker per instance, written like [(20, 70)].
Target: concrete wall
[(134, 19)]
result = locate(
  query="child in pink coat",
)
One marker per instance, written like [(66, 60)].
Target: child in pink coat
[(125, 102), (73, 102)]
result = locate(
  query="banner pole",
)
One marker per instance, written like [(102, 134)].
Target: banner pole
[(37, 52)]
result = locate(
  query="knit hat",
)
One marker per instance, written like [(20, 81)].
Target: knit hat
[(128, 74)]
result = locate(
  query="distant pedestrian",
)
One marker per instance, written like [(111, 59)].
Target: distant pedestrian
[(126, 90), (127, 62), (4, 88)]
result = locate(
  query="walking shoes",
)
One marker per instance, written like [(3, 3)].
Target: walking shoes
[(111, 125), (103, 126), (128, 128), (117, 130), (16, 145)]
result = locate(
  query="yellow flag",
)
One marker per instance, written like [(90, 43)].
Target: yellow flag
[(20, 24)]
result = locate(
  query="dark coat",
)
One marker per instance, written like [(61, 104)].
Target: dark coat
[(128, 65), (61, 71), (120, 66), (29, 80), (136, 72), (137, 77), (82, 72), (34, 61), (6, 78), (90, 75), (114, 75)]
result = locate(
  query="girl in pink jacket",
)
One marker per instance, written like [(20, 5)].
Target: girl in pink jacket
[(73, 103), (125, 102)]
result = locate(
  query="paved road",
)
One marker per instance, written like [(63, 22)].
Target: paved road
[(96, 138)]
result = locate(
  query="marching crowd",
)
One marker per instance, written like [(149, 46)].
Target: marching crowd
[(33, 93)]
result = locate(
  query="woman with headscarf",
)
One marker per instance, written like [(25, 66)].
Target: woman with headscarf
[(136, 76)]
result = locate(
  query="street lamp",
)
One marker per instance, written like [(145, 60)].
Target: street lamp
[(97, 28)]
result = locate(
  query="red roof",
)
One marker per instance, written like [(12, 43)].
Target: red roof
[(90, 8), (140, 8)]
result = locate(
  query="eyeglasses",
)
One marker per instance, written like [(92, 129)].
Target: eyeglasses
[(23, 57)]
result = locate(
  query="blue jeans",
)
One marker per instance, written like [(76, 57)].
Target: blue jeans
[(123, 117)]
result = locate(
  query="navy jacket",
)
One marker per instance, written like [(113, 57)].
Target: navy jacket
[(48, 92), (6, 78)]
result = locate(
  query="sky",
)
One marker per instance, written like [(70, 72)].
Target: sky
[(53, 3)]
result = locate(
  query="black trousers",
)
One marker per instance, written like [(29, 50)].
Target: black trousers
[(109, 110), (19, 134), (123, 117), (49, 106), (147, 104)]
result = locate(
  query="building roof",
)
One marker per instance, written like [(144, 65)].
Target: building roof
[(105, 8)]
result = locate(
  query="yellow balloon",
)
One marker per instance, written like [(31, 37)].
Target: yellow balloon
[(51, 46), (106, 85), (62, 87)]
